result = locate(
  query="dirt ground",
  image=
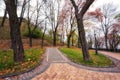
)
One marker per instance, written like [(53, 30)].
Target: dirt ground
[(5, 44)]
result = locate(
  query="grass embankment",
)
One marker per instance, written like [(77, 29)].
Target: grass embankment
[(7, 65), (76, 56)]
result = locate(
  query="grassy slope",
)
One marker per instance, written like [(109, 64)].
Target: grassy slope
[(75, 55)]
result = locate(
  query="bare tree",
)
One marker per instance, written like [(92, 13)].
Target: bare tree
[(17, 46), (114, 36), (3, 19), (43, 35), (35, 13), (45, 25), (28, 24), (79, 16), (108, 11), (54, 13), (72, 29)]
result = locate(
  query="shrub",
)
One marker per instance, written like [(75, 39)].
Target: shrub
[(36, 34)]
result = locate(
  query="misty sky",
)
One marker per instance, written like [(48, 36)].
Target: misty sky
[(96, 4), (99, 3)]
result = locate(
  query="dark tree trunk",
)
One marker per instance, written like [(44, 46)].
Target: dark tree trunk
[(30, 40), (3, 19), (68, 41), (42, 42), (54, 38), (96, 48), (79, 46), (55, 35), (81, 31), (15, 34), (29, 28), (106, 40), (72, 41), (63, 41), (83, 41), (30, 35), (61, 38)]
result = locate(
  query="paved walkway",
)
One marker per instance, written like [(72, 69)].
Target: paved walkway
[(54, 55), (55, 66), (60, 69), (112, 54)]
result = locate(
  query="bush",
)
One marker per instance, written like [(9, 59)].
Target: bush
[(36, 34)]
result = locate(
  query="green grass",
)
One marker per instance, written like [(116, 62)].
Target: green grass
[(7, 64), (76, 56)]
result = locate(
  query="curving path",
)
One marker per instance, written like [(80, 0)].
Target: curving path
[(55, 66), (112, 54), (61, 69)]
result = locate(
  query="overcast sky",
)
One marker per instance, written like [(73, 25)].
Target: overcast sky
[(96, 4)]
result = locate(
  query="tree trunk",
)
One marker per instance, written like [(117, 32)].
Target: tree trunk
[(106, 40), (81, 31), (15, 34), (79, 46), (72, 41), (30, 36), (3, 19), (29, 29), (54, 38), (61, 39), (68, 41), (42, 42), (96, 48), (83, 41), (30, 33)]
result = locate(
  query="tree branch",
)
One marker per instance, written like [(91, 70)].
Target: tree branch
[(85, 7)]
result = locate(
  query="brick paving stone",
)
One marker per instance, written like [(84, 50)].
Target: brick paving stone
[(54, 55), (58, 67), (112, 54), (64, 71)]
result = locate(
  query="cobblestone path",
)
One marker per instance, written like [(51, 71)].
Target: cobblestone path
[(59, 69)]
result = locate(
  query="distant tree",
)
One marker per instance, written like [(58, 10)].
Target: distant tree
[(105, 15), (35, 14), (74, 39), (43, 35), (90, 41), (72, 27), (108, 12), (89, 29), (53, 15), (45, 26), (114, 36), (3, 19), (28, 24)]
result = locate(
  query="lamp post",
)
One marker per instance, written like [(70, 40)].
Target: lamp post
[(96, 49)]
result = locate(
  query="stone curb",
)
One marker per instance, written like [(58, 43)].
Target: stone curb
[(115, 68), (30, 72)]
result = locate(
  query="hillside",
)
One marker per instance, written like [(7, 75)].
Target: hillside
[(5, 31), (5, 36)]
